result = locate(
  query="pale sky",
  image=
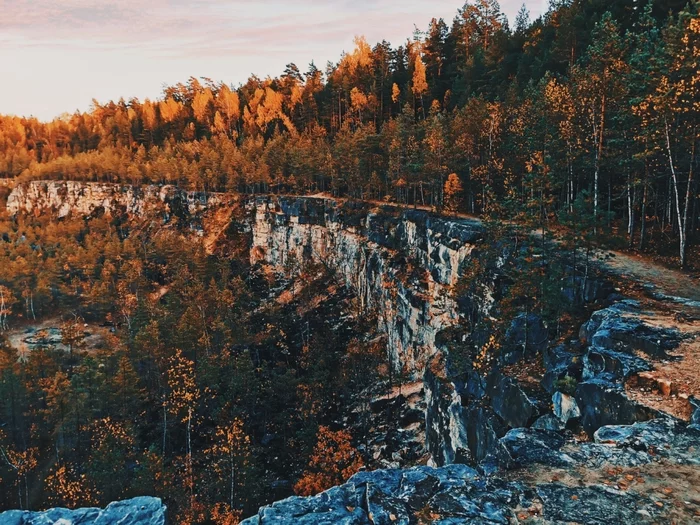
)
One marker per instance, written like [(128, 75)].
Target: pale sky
[(57, 55)]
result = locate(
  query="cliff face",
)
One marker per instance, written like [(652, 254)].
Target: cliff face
[(84, 198), (401, 264)]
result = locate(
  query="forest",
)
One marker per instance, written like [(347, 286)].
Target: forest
[(198, 389), (220, 385), (590, 110)]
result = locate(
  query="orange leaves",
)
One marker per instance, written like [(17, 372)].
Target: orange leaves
[(68, 488), (453, 191), (334, 460), (200, 105), (395, 93), (221, 514), (420, 84), (358, 99), (170, 109), (184, 392), (487, 355)]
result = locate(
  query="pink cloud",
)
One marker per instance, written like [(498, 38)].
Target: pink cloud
[(107, 49)]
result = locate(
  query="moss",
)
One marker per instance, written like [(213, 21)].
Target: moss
[(566, 385)]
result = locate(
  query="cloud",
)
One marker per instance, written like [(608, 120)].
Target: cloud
[(220, 26), (109, 49)]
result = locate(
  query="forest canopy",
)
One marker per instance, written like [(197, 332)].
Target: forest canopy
[(595, 101)]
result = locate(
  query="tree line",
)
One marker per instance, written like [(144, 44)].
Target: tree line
[(594, 101)]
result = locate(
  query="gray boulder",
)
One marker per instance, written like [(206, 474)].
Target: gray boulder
[(548, 422), (136, 511), (526, 446), (565, 407), (509, 401), (590, 505), (604, 403)]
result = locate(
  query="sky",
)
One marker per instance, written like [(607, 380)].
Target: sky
[(57, 55)]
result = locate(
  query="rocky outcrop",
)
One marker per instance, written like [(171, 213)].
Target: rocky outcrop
[(454, 494), (136, 511), (460, 494), (401, 263), (85, 198)]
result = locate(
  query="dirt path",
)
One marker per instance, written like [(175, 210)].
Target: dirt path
[(667, 281)]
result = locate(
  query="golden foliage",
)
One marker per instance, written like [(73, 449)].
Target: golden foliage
[(334, 460), (68, 488)]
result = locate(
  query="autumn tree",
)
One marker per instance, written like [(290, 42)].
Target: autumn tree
[(333, 461), (453, 193)]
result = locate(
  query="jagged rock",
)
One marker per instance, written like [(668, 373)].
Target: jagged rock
[(604, 403), (369, 249), (565, 407), (590, 505), (695, 406), (548, 422), (662, 437), (484, 429), (526, 336), (86, 198), (136, 511), (612, 365), (619, 328), (509, 401), (525, 446), (383, 509), (445, 418), (455, 493)]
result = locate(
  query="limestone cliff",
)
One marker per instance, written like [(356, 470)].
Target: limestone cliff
[(84, 198), (401, 264)]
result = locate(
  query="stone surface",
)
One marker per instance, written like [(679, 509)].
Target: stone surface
[(662, 437), (136, 511), (590, 505), (695, 408), (454, 494), (604, 403), (85, 198), (565, 407), (526, 336), (612, 365), (548, 422), (509, 401), (620, 328), (525, 446), (370, 250)]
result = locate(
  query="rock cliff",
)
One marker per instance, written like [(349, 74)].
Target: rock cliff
[(401, 264), (85, 198)]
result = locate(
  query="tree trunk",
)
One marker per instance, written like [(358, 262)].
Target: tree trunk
[(684, 247), (674, 178), (165, 425)]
